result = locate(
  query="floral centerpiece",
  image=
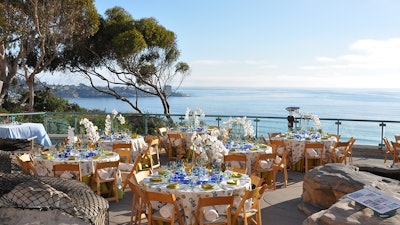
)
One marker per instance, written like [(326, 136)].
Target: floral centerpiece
[(238, 128), (208, 147), (109, 122), (309, 116), (91, 130), (192, 117)]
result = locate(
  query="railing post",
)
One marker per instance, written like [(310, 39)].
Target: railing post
[(181, 118), (76, 123), (146, 120), (382, 125), (338, 123), (218, 119), (256, 120)]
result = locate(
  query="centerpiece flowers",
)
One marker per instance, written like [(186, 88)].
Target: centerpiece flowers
[(208, 147), (109, 122), (313, 117), (238, 128), (91, 130), (192, 117)]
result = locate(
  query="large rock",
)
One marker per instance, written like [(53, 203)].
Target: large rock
[(346, 212), (324, 190)]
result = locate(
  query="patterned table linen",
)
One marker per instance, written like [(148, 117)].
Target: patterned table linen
[(188, 197)]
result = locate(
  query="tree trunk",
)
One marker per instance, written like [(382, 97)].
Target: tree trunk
[(31, 84)]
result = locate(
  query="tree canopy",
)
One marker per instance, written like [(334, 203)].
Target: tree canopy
[(138, 53), (33, 33)]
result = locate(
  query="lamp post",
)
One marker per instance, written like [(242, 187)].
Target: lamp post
[(291, 118)]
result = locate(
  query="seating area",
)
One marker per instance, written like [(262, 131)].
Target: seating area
[(270, 171)]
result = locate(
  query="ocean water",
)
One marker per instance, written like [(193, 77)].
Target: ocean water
[(353, 104)]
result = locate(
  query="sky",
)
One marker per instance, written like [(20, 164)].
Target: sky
[(281, 43)]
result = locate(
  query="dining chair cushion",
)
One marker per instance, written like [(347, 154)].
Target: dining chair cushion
[(125, 166), (67, 175), (264, 164), (210, 213), (311, 153), (278, 160), (280, 150), (106, 173), (166, 210)]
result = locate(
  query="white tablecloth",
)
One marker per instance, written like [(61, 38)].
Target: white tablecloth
[(138, 145), (297, 147), (45, 166), (25, 131), (251, 156), (188, 197)]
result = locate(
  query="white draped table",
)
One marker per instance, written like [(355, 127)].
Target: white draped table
[(188, 196), (25, 131)]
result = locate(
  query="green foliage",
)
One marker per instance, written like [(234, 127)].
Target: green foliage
[(128, 42)]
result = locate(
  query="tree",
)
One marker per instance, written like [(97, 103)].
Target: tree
[(135, 53), (34, 32)]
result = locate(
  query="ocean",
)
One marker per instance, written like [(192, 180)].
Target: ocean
[(353, 104)]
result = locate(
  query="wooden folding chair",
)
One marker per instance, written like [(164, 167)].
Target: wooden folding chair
[(153, 152), (238, 161), (176, 146), (106, 172), (138, 203), (162, 136), (227, 201), (313, 151), (256, 181), (396, 150), (169, 200), (26, 163), (124, 150), (74, 169), (389, 151), (243, 214)]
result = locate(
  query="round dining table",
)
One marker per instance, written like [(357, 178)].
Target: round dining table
[(251, 151), (188, 194), (87, 160), (297, 145), (137, 144)]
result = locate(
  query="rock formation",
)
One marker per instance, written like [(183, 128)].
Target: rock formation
[(324, 191)]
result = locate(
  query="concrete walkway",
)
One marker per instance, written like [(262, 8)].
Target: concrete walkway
[(279, 207)]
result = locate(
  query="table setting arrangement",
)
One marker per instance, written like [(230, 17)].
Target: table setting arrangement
[(185, 177)]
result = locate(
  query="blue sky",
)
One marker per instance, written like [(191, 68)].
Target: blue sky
[(282, 43)]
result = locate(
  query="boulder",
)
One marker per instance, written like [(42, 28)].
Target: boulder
[(324, 190), (346, 212)]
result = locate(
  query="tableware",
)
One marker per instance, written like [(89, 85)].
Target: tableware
[(233, 182), (155, 179), (173, 186), (207, 186), (236, 175)]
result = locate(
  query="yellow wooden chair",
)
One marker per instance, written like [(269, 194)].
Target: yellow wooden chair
[(207, 202), (169, 200), (106, 172), (74, 169)]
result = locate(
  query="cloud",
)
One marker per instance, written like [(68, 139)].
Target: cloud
[(365, 54), (249, 62)]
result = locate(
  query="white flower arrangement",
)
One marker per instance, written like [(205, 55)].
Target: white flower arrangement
[(313, 117), (208, 147), (92, 133), (109, 121), (194, 114), (236, 125)]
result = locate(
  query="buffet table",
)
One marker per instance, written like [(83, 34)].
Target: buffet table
[(188, 190), (24, 131)]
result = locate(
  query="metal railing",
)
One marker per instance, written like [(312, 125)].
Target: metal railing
[(367, 132)]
